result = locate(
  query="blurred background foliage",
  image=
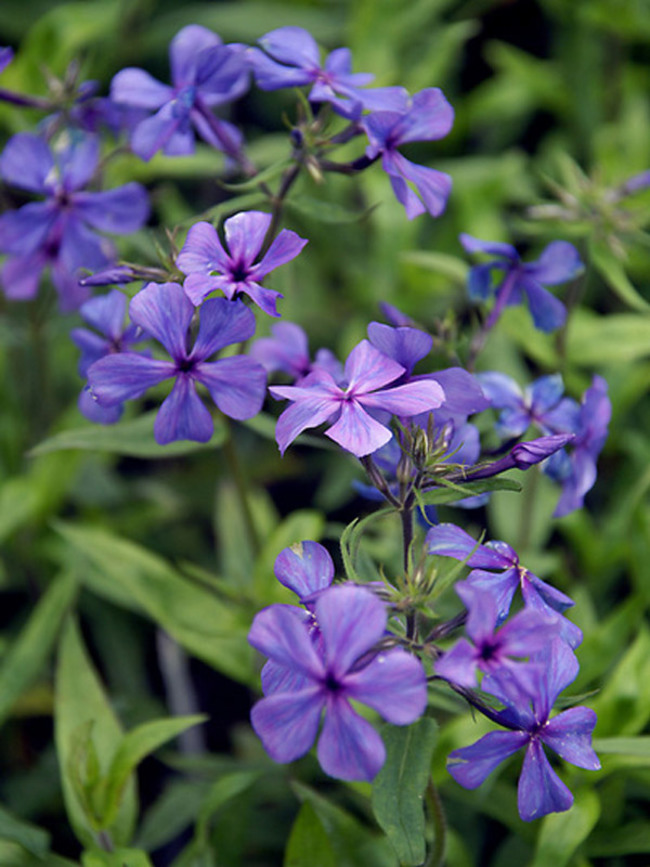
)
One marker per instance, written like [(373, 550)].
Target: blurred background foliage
[(150, 546)]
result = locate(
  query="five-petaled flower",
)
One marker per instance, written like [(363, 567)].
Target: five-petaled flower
[(323, 675), (236, 384)]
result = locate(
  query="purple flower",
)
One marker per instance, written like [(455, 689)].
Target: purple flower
[(106, 314), (203, 256), (490, 647), (205, 74), (57, 232), (351, 404), (530, 726), (329, 673), (428, 117), (287, 351), (236, 384), (577, 470), (292, 59), (541, 404), (6, 56), (497, 570), (558, 262), (523, 456)]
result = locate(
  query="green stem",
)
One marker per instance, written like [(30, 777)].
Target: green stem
[(437, 814), (241, 486)]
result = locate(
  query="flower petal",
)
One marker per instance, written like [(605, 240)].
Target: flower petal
[(287, 722), (413, 398), (245, 234), (569, 735), (367, 369), (222, 322), (294, 46), (559, 262), (305, 568), (470, 766), (121, 211), (126, 375), (165, 312), (394, 684), (26, 162), (136, 87), (202, 251), (237, 385), (358, 432), (351, 620), (540, 790), (182, 415), (406, 346), (548, 312), (349, 748), (282, 633), (23, 231), (430, 117), (284, 248), (184, 51)]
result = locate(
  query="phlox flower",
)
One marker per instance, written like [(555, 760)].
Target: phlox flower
[(427, 117), (106, 314), (236, 384), (496, 570), (291, 58), (210, 266), (541, 404), (558, 262), (205, 73), (350, 405), (530, 726), (6, 56), (57, 233), (287, 350), (329, 672)]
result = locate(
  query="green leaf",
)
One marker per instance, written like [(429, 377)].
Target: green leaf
[(562, 833), (612, 271), (630, 839), (29, 652), (223, 790), (268, 174), (208, 627), (613, 339), (451, 492), (351, 539), (325, 212), (80, 700), (135, 746), (132, 438), (397, 792), (440, 263), (308, 844), (33, 839), (638, 747), (117, 858)]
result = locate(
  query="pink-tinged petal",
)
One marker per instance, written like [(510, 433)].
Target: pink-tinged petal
[(471, 766), (121, 211), (286, 350), (463, 394), (184, 51), (459, 664), (430, 117), (559, 262), (284, 248), (165, 312), (394, 684), (182, 415), (302, 415), (197, 287), (202, 251), (222, 322), (294, 46), (305, 568), (410, 399), (94, 412), (367, 369), (23, 231), (287, 722), (136, 87), (27, 163), (448, 540), (279, 678), (548, 312), (495, 248), (569, 735), (21, 276), (237, 385), (245, 233), (358, 432), (540, 790), (351, 620), (349, 748), (78, 162), (126, 375), (281, 632)]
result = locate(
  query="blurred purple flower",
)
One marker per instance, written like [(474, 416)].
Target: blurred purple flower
[(203, 255), (427, 117), (351, 404), (497, 570), (323, 676), (236, 384), (205, 73), (541, 403), (577, 470), (288, 351), (6, 56), (292, 59), (530, 726), (57, 232), (558, 262)]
